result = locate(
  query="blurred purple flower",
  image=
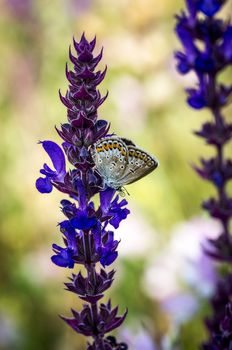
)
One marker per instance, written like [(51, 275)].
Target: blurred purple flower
[(180, 307), (139, 339), (206, 44), (78, 7), (21, 9)]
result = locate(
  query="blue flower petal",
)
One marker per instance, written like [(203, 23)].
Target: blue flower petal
[(83, 222), (210, 7), (108, 258), (196, 99), (62, 262), (56, 154), (105, 198), (43, 185), (66, 226), (63, 257)]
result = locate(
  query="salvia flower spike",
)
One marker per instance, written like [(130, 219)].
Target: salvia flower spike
[(88, 232), (207, 51)]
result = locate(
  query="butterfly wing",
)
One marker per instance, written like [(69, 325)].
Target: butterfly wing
[(140, 164), (110, 155)]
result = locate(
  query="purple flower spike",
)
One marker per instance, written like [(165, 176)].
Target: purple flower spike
[(86, 238), (44, 185), (207, 51)]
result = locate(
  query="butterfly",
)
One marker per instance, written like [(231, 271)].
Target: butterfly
[(120, 162)]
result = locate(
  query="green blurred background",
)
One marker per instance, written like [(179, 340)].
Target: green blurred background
[(146, 104)]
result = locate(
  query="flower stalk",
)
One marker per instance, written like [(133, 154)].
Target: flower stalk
[(88, 232), (207, 51)]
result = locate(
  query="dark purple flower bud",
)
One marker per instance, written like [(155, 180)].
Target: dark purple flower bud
[(109, 319), (214, 134), (220, 248), (44, 185), (101, 129), (219, 209), (214, 171), (82, 322), (90, 288), (226, 324), (210, 7)]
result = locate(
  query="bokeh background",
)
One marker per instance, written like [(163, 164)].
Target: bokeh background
[(162, 274)]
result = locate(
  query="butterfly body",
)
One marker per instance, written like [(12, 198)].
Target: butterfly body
[(120, 162)]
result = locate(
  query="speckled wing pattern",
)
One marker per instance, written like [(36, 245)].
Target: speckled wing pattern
[(120, 162)]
